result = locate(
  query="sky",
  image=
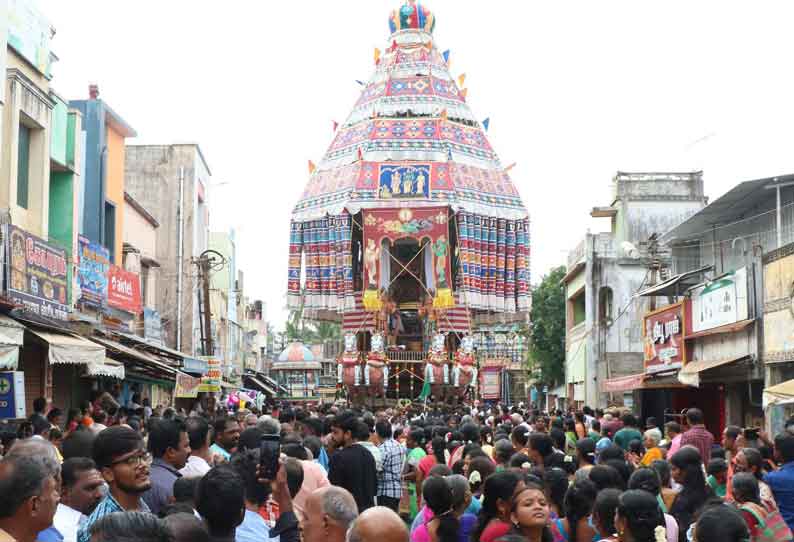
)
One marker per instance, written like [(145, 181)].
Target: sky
[(575, 91)]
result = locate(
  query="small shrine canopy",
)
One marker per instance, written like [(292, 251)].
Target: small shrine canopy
[(411, 142)]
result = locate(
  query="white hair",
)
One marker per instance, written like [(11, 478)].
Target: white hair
[(653, 436)]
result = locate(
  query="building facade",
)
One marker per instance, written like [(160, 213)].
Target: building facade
[(170, 182), (737, 333), (603, 332)]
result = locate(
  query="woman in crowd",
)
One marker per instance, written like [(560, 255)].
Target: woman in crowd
[(669, 494), (762, 522), (606, 505), (652, 450), (556, 488), (480, 469), (575, 526), (585, 457), (648, 480), (639, 518), (461, 501), (688, 472), (435, 457), (415, 441), (750, 460), (720, 523), (443, 526), (579, 426), (497, 506), (530, 515)]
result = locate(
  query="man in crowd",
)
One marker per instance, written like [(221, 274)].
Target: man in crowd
[(781, 481), (390, 480), (200, 460), (82, 487), (169, 446), (227, 436), (123, 461), (352, 467), (314, 476), (99, 418), (651, 425), (673, 436), (378, 524), (698, 436), (39, 409), (329, 513), (28, 497), (628, 433)]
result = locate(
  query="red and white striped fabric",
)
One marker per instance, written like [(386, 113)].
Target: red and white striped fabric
[(455, 320)]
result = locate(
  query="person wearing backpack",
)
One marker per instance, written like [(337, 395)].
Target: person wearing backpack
[(765, 525)]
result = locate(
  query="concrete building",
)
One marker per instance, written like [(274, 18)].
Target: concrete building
[(3, 56), (745, 239), (27, 112), (101, 201), (140, 249), (603, 332), (170, 182), (65, 181)]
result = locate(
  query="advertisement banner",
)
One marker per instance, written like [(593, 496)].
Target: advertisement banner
[(152, 326), (12, 395), (124, 290), (186, 386), (211, 381), (721, 302), (663, 339), (92, 273), (36, 276)]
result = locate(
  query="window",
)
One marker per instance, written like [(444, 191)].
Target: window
[(605, 305), (23, 166), (110, 230)]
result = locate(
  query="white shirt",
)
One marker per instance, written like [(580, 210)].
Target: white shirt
[(195, 467), (68, 520)]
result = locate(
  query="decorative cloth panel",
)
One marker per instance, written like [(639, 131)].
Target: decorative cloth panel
[(494, 262), (324, 245)]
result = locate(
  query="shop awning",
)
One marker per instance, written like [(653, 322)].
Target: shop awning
[(690, 374), (675, 285), (12, 336), (623, 383), (136, 360), (728, 328), (779, 394), (70, 349), (255, 382), (109, 368)]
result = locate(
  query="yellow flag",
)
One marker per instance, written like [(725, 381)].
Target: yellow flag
[(464, 93), (377, 55), (461, 79), (444, 114), (312, 167)]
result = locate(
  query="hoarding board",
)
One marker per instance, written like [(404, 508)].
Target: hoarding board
[(663, 339)]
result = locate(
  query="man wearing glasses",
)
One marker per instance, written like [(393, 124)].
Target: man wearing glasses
[(121, 457)]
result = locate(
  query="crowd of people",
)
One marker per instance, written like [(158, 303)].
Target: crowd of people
[(487, 473)]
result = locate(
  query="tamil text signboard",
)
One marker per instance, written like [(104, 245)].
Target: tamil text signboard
[(36, 277), (720, 302), (186, 386), (663, 339), (124, 290), (211, 381), (152, 326), (92, 274)]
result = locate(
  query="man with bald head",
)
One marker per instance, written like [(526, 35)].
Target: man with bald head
[(378, 524), (328, 513)]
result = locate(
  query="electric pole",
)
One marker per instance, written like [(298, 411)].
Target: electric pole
[(208, 261)]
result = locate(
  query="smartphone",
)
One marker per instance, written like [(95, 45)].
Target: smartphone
[(751, 433), (269, 453)]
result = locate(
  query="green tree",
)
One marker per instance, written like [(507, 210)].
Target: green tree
[(547, 332)]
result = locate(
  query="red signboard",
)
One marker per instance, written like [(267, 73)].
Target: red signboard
[(124, 290), (663, 339)]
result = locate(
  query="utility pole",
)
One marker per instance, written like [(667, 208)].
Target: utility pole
[(209, 260), (654, 264)]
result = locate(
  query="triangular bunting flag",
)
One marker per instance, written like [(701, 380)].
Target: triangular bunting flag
[(464, 93), (362, 83), (511, 166), (461, 79), (444, 114), (336, 125), (425, 393), (377, 55), (445, 54), (486, 123), (312, 167)]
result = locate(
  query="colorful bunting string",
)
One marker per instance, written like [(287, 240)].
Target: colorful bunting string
[(486, 123)]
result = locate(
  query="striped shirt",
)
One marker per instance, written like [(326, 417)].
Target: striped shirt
[(106, 506)]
